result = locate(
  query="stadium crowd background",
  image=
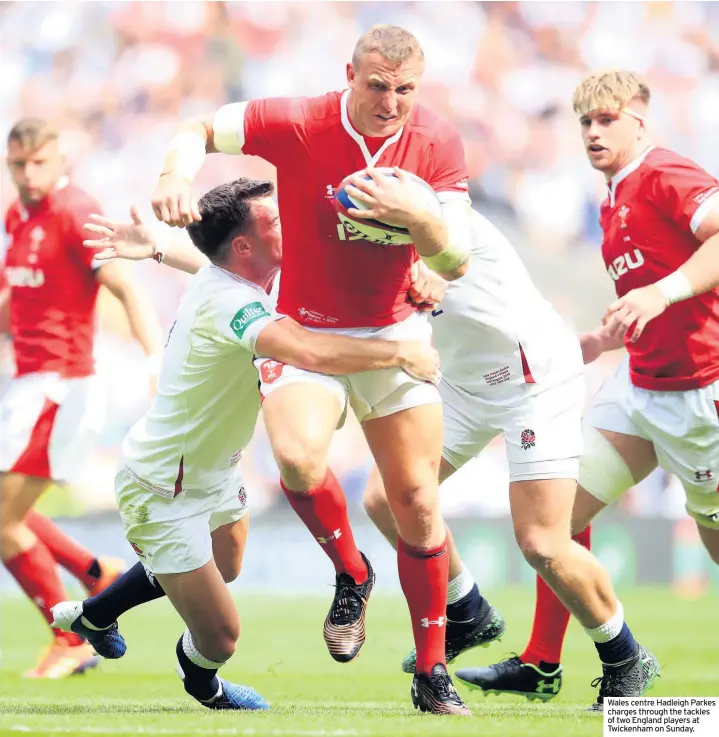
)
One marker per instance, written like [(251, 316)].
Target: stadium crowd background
[(117, 77)]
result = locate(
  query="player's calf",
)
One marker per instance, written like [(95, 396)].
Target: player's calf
[(200, 679)]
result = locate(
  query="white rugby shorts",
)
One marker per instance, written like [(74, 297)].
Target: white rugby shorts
[(542, 427), (683, 426), (174, 535), (371, 394), (47, 424)]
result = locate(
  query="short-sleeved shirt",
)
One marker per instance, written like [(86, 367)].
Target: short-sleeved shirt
[(53, 289), (207, 401), (654, 208), (331, 277)]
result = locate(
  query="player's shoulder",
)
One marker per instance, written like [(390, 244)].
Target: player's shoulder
[(323, 106), (13, 215), (72, 199), (426, 122), (226, 291), (662, 161)]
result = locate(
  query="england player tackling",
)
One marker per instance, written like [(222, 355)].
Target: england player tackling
[(179, 488)]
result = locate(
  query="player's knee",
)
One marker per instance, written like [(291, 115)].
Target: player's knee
[(9, 534), (230, 569), (540, 548), (302, 466), (375, 502), (220, 644)]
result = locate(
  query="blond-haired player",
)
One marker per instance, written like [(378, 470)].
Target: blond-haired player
[(661, 407)]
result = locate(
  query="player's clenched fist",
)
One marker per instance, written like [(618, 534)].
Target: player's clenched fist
[(420, 360), (173, 201)]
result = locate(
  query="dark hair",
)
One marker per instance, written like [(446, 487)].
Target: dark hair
[(226, 214), (32, 133)]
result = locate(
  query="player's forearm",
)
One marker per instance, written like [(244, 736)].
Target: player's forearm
[(339, 355), (446, 255), (699, 274), (185, 257)]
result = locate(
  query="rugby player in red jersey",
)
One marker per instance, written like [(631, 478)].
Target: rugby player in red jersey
[(52, 408)]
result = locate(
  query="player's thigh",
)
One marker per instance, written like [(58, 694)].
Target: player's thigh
[(18, 495), (685, 432), (407, 448), (301, 412), (618, 452), (229, 525), (543, 441), (78, 424), (169, 535), (28, 411), (203, 600), (541, 515)]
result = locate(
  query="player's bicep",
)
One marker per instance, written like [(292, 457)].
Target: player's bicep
[(228, 128), (687, 195), (265, 127)]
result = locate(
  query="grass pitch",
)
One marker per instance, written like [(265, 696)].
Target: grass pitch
[(282, 654)]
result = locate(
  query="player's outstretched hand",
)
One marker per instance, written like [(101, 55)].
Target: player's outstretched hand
[(388, 198), (173, 201), (427, 289), (420, 360), (631, 313), (597, 342), (131, 240)]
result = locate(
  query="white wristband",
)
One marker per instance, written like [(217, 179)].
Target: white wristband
[(189, 150), (675, 287)]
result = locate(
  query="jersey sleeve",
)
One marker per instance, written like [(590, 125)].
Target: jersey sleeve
[(449, 175), (685, 193), (273, 127), (76, 215), (240, 316)]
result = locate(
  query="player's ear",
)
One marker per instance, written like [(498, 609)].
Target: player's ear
[(350, 74), (240, 245)]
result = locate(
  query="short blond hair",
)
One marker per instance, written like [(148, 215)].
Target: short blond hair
[(610, 90), (32, 133), (393, 43)]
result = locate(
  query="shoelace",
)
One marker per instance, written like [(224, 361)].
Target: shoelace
[(608, 682), (505, 666), (349, 601), (444, 686)]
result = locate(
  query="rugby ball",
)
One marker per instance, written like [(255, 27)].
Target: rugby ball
[(382, 232)]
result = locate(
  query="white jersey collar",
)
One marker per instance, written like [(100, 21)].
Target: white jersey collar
[(239, 278), (359, 138), (624, 172)]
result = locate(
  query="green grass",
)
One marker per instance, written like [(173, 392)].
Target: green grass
[(281, 653)]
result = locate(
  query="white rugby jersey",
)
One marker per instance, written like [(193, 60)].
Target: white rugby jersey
[(207, 401), (494, 330)]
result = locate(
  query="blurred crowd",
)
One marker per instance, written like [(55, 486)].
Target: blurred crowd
[(116, 77)]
